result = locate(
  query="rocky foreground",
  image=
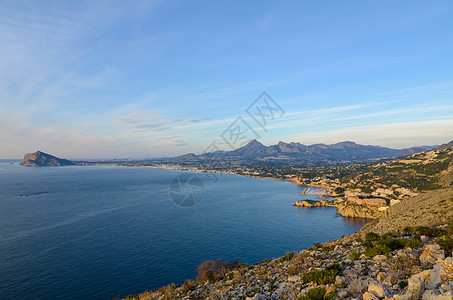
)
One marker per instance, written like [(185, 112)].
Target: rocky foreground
[(407, 254)]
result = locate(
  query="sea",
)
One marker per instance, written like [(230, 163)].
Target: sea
[(93, 232)]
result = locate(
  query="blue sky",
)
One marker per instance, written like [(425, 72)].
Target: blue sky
[(105, 79)]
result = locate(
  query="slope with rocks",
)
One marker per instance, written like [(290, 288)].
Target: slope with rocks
[(404, 255)]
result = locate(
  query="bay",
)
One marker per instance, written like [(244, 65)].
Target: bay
[(103, 232)]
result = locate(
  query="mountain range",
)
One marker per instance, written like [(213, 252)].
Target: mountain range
[(297, 152)]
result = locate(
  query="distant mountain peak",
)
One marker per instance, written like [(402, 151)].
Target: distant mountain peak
[(255, 143)]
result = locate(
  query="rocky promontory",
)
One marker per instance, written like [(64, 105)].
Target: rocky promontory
[(314, 203), (346, 208), (41, 159)]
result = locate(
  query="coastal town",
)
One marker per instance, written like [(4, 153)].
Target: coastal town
[(358, 190)]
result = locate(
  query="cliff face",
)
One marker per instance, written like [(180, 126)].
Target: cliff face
[(41, 159)]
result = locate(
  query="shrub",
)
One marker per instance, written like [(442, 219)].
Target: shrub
[(316, 247), (188, 285), (371, 236), (378, 249), (326, 276), (319, 293), (354, 255), (327, 249), (381, 245), (413, 243), (402, 284), (446, 243), (286, 257), (425, 230), (297, 263), (211, 270), (240, 266)]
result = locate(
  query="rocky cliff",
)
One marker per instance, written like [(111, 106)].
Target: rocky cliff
[(41, 159)]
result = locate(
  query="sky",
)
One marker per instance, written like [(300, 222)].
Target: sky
[(142, 79)]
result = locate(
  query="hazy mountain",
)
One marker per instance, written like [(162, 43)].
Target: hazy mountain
[(444, 146)]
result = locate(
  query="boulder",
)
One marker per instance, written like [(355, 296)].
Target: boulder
[(415, 287), (434, 279), (431, 255), (369, 296), (380, 277), (447, 265), (431, 295), (377, 289), (389, 281)]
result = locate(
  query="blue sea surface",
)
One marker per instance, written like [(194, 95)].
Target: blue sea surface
[(103, 232)]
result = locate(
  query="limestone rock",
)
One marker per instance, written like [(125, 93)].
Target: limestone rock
[(415, 287), (447, 265), (431, 255), (369, 296), (377, 289), (431, 295)]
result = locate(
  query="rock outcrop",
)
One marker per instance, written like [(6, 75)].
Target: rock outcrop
[(345, 208), (313, 203), (41, 159)]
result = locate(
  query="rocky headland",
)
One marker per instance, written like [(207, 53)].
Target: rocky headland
[(346, 208), (41, 159)]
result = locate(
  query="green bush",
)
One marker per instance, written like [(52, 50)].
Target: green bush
[(327, 249), (378, 249), (316, 247), (402, 284), (375, 244), (354, 255), (318, 293), (326, 276), (446, 243), (286, 257), (371, 236), (413, 243)]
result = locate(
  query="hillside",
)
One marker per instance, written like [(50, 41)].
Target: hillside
[(394, 179), (444, 146), (41, 159)]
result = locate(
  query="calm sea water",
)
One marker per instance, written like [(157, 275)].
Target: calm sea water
[(101, 232)]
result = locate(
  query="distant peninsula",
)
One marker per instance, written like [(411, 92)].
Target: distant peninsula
[(41, 159)]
